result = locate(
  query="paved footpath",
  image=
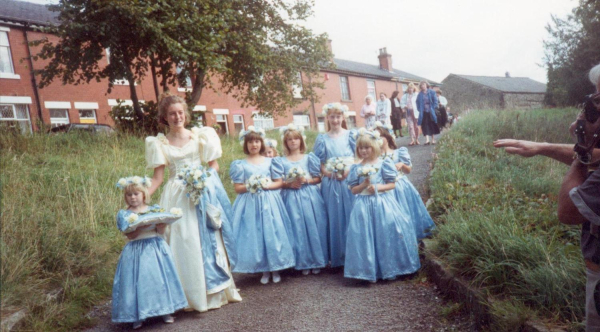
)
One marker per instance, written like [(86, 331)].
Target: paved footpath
[(324, 302)]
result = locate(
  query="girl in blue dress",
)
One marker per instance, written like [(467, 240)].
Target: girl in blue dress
[(261, 226), (381, 242), (146, 283), (406, 194), (303, 200), (334, 148)]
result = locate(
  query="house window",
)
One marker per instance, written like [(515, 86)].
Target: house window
[(302, 120), (59, 117), (15, 116), (344, 88), (321, 124), (371, 89), (6, 64), (87, 116), (298, 87), (262, 121), (222, 122), (351, 120), (238, 123), (107, 55), (188, 80)]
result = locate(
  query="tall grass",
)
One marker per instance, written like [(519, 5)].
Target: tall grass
[(498, 212), (58, 205)]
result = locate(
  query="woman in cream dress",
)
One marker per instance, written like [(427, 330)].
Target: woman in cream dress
[(199, 251)]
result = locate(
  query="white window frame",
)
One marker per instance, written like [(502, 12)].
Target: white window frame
[(263, 122), (188, 81), (321, 124), (222, 120), (56, 121), (88, 119), (345, 88), (372, 91), (297, 88), (10, 74), (237, 119), (24, 128), (302, 120)]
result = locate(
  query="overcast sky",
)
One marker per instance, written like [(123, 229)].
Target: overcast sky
[(437, 37)]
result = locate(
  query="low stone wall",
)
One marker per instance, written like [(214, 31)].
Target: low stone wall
[(523, 100)]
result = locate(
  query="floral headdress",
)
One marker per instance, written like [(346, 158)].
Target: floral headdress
[(335, 106), (142, 181), (373, 134), (271, 143), (292, 127), (387, 127), (251, 129)]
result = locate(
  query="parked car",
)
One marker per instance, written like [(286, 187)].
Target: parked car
[(91, 128)]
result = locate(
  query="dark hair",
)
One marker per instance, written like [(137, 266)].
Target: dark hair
[(394, 95), (252, 136), (386, 134)]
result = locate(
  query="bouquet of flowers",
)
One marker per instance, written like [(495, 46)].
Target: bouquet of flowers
[(194, 180), (294, 173), (337, 166), (154, 215), (257, 183), (367, 171)]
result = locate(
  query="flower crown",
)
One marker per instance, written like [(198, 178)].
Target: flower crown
[(373, 134), (270, 143), (335, 106), (251, 129), (143, 181), (387, 127), (292, 127)]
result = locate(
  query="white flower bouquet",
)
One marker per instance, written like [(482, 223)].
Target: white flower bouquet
[(337, 166), (257, 183), (194, 180), (367, 171), (294, 173)]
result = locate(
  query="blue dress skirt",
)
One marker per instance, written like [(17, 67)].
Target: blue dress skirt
[(381, 241), (146, 283), (261, 226), (306, 210), (338, 198), (408, 196)]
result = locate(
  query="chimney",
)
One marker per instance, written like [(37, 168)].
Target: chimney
[(329, 48), (507, 74), (385, 59)]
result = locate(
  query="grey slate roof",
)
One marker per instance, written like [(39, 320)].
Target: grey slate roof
[(26, 12), (508, 84), (353, 67)]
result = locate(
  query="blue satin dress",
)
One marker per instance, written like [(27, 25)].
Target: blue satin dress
[(146, 283), (381, 241), (338, 198), (306, 209), (261, 226), (408, 196)]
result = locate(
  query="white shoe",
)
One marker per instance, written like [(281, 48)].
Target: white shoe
[(276, 277), (168, 319), (265, 278), (305, 272), (137, 325), (316, 271)]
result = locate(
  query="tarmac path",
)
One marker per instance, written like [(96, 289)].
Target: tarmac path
[(324, 302)]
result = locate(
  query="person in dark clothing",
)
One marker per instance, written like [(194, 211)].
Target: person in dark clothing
[(396, 113)]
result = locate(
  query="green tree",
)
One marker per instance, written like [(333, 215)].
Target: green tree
[(252, 49), (572, 49)]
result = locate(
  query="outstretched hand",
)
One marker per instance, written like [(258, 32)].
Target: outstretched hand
[(520, 147)]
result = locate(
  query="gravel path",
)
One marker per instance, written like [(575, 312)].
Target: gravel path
[(324, 302)]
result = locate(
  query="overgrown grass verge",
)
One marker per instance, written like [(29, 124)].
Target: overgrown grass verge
[(497, 216)]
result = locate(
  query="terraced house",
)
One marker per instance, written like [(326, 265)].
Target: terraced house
[(24, 105)]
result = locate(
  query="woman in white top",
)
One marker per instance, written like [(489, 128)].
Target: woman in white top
[(368, 112), (409, 105), (384, 109)]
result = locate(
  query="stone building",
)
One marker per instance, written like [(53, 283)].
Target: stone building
[(480, 92)]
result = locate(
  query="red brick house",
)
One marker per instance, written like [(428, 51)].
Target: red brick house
[(25, 105)]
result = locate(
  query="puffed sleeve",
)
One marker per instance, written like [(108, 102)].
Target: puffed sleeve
[(277, 168), (122, 224), (210, 143), (154, 154), (388, 171), (401, 155), (236, 171), (353, 176), (314, 165), (352, 135), (319, 149)]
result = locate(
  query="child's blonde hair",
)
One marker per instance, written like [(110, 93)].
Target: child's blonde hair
[(368, 140), (335, 111), (134, 187), (293, 134)]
